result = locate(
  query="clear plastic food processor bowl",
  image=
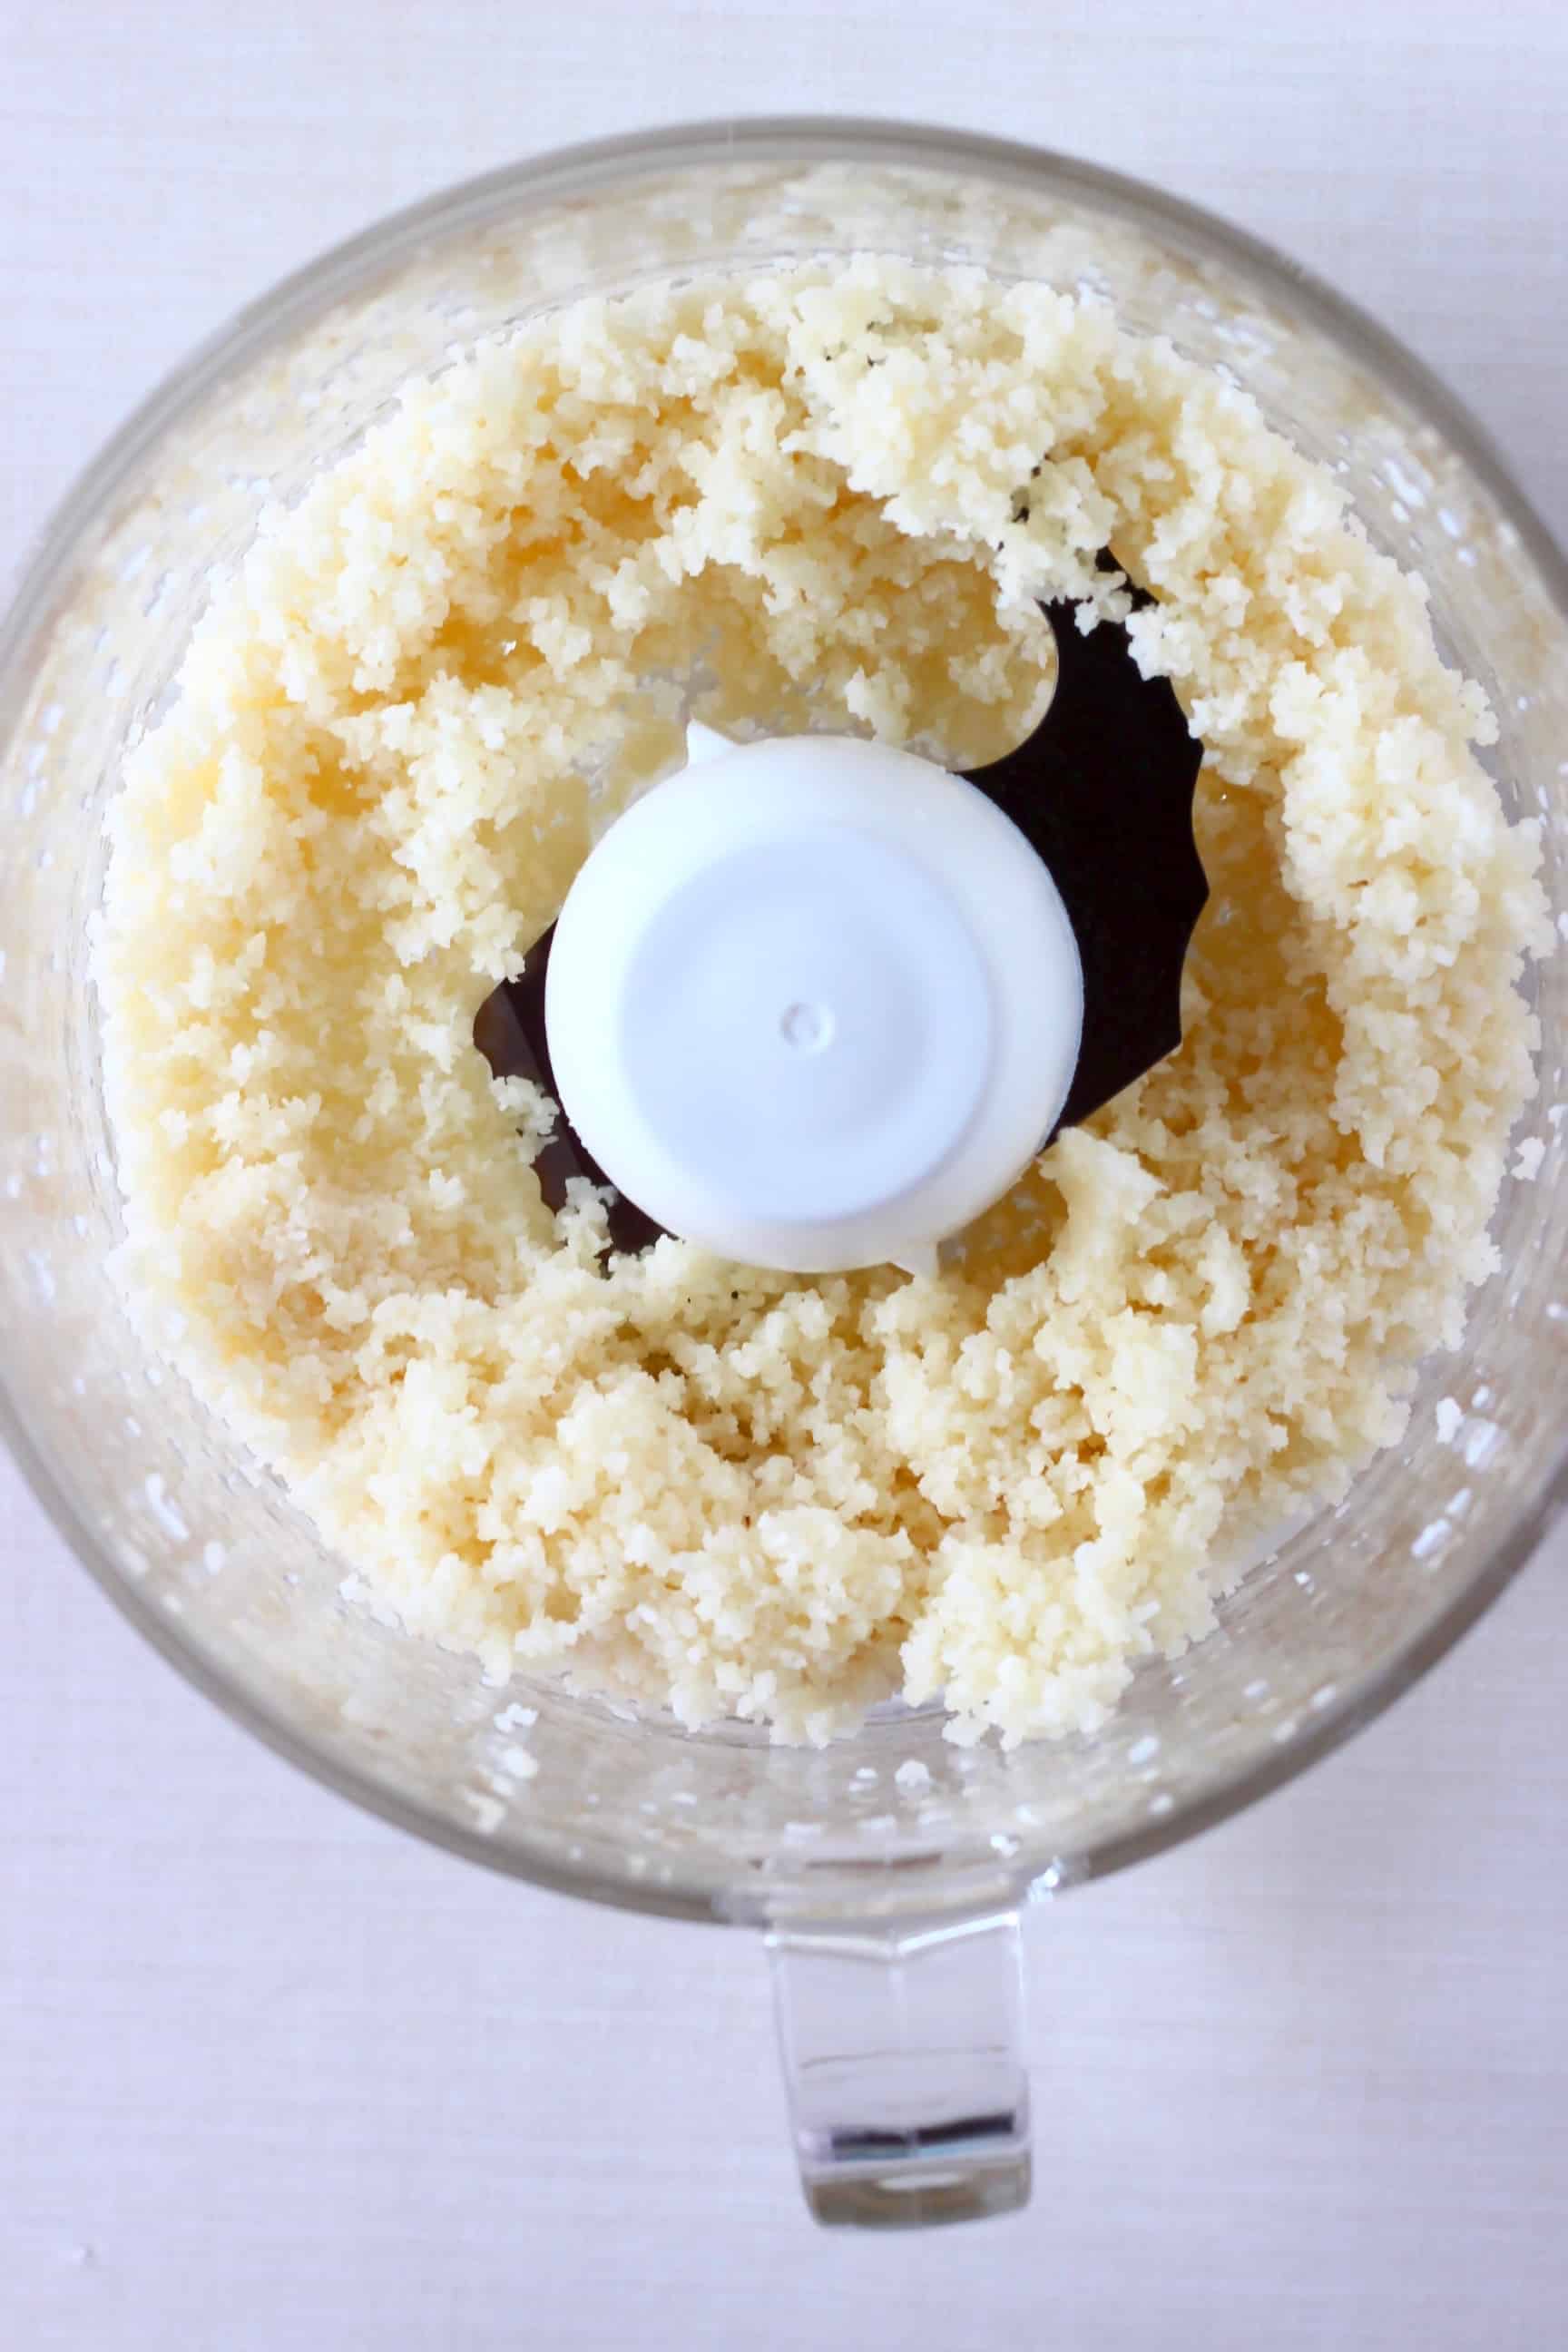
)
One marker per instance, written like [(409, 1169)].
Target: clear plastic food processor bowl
[(890, 1900)]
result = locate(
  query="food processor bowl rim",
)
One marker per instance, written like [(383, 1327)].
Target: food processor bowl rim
[(573, 173)]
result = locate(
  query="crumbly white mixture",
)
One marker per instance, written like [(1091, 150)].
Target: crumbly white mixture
[(831, 496)]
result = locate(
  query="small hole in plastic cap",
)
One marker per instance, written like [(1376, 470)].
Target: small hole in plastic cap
[(806, 1028)]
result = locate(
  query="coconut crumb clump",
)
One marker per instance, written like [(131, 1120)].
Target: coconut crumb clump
[(831, 497)]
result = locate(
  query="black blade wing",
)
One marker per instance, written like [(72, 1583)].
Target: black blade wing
[(1102, 791)]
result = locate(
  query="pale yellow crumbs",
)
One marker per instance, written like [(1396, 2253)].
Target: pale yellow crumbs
[(693, 1485)]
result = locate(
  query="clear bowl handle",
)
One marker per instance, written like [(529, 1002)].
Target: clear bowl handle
[(903, 2060)]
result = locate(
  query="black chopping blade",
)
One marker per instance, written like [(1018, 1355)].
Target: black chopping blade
[(1102, 791)]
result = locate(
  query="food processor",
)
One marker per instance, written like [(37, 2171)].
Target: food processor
[(887, 1872)]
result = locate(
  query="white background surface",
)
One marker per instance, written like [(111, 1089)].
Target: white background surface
[(274, 2079)]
